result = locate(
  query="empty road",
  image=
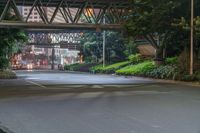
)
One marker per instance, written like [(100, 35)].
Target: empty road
[(58, 102)]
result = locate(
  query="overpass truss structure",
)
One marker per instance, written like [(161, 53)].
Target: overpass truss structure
[(76, 14)]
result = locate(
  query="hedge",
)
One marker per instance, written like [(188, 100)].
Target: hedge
[(140, 69), (109, 68), (7, 74)]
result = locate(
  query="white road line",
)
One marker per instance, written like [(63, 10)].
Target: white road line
[(36, 84)]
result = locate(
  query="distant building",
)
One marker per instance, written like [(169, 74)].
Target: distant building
[(34, 16)]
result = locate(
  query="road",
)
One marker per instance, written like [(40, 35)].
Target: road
[(57, 102)]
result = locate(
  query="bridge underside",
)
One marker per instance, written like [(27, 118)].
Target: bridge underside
[(75, 14)]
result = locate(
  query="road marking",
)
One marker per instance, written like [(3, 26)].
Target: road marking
[(156, 126), (36, 84), (32, 78)]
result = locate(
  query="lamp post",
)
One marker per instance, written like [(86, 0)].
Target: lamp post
[(192, 38), (104, 43)]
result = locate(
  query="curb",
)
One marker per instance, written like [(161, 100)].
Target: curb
[(196, 84)]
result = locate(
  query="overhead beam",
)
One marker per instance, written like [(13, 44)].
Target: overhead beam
[(7, 24)]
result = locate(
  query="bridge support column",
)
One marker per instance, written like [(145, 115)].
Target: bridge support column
[(52, 59)]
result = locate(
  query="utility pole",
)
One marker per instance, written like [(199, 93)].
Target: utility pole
[(104, 43), (192, 38)]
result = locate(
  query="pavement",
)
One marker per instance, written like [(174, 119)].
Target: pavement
[(59, 102)]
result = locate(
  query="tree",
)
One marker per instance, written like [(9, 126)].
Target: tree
[(183, 22), (152, 19), (9, 38), (92, 46)]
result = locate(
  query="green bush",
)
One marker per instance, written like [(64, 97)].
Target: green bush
[(190, 78), (4, 63), (7, 75), (136, 58), (164, 72), (110, 68), (79, 67), (71, 67), (139, 69), (171, 61), (194, 77), (97, 68)]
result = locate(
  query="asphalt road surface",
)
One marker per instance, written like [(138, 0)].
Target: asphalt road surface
[(57, 102)]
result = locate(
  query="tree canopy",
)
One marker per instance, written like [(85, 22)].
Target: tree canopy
[(153, 20), (9, 38)]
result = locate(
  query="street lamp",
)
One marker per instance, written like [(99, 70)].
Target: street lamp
[(104, 43), (192, 37)]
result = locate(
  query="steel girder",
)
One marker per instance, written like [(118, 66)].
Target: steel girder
[(78, 14), (51, 38)]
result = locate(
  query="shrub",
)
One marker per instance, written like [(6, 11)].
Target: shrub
[(135, 58), (4, 63), (7, 75), (190, 78), (70, 67), (112, 68), (164, 72), (194, 77), (97, 68), (79, 67), (171, 61), (139, 69)]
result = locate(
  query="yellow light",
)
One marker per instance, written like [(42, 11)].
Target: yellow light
[(89, 12)]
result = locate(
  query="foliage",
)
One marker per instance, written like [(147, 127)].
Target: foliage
[(139, 69), (183, 22), (171, 61), (152, 19), (183, 61), (7, 75), (79, 67), (4, 62), (135, 58), (92, 47), (96, 69), (131, 46), (164, 72), (110, 68), (193, 77), (8, 43)]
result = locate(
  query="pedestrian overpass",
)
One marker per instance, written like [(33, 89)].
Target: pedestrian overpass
[(77, 14), (62, 20)]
